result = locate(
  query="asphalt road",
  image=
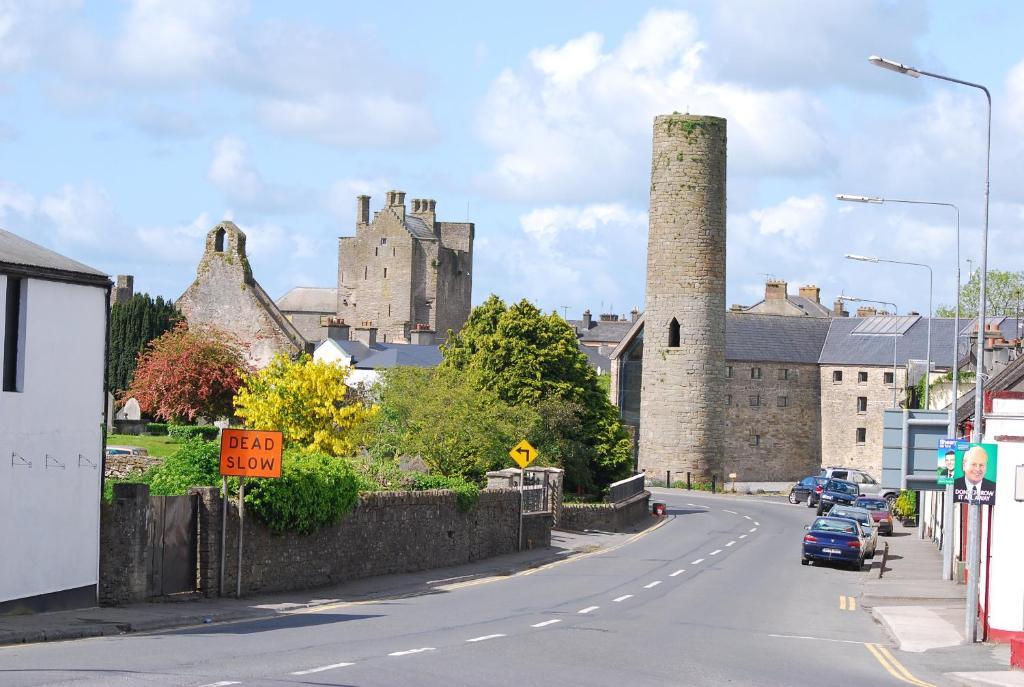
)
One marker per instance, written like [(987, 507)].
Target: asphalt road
[(714, 596)]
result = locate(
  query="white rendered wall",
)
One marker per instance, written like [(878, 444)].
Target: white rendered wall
[(49, 516), (1006, 578)]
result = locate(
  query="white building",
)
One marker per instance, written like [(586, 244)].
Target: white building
[(51, 419)]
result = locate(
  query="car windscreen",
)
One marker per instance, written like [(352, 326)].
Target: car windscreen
[(833, 525), (874, 504), (853, 515), (842, 487)]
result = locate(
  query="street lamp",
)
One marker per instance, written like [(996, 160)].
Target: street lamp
[(974, 519), (894, 335), (928, 348)]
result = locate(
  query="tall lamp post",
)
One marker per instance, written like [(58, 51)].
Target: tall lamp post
[(928, 347), (974, 515), (947, 502), (895, 310)]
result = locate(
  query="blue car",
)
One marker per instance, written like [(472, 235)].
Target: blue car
[(833, 539)]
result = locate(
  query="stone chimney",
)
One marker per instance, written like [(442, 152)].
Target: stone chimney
[(425, 209), (866, 311), (775, 290), (736, 307), (587, 323), (124, 290), (609, 317), (839, 309), (396, 201), (634, 315), (337, 329), (422, 335), (366, 334), (811, 293), (362, 209)]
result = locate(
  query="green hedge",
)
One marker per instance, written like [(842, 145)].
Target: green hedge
[(314, 490), (184, 433), (466, 493), (156, 428)]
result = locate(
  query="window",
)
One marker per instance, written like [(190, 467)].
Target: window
[(782, 401), (218, 241), (784, 373), (862, 404), (862, 376), (887, 377), (673, 333), (389, 310), (366, 271), (755, 400), (393, 253), (14, 335), (862, 435), (837, 376), (375, 254), (728, 399), (728, 371), (755, 439), (385, 272), (383, 240), (755, 373)]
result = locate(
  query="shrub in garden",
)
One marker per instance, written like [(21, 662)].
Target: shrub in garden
[(466, 493), (314, 490), (195, 464), (156, 428), (185, 433)]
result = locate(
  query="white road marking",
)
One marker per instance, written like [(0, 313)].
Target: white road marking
[(757, 523), (318, 670), (652, 584), (677, 572), (588, 609), (623, 598), (547, 622), (747, 517), (743, 536), (484, 638), (731, 543), (699, 560), (753, 529), (730, 511), (412, 651), (817, 639), (450, 579), (222, 683), (715, 552)]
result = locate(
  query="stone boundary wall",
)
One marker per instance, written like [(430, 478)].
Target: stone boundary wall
[(119, 467), (609, 517), (124, 552)]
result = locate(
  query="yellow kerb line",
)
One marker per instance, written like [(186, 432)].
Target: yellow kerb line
[(894, 667)]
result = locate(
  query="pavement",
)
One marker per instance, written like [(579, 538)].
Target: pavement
[(924, 613), (186, 610)]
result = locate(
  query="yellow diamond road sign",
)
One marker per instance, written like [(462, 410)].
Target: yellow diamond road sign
[(523, 453)]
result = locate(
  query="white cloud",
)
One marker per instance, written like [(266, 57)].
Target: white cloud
[(801, 220), (233, 172), (179, 243), (340, 199), (575, 122), (161, 122), (79, 214)]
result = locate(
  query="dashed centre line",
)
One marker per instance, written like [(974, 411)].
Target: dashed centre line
[(726, 510), (731, 543), (484, 638), (677, 572), (310, 671), (222, 683), (412, 651), (748, 517), (757, 523), (753, 529), (715, 552), (623, 598), (547, 622), (696, 562), (743, 536), (652, 584)]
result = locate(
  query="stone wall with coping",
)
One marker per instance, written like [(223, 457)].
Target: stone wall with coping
[(607, 517)]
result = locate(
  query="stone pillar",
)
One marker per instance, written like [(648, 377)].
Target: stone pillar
[(681, 413), (124, 546), (209, 519)]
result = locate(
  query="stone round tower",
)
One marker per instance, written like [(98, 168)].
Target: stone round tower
[(681, 412)]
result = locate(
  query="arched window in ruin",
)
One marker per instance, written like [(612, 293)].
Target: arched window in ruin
[(218, 241), (673, 333)]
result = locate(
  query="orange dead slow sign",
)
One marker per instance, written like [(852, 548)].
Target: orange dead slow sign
[(250, 453)]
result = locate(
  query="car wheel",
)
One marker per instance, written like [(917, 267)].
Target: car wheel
[(804, 561), (810, 502), (891, 500), (819, 509), (793, 498)]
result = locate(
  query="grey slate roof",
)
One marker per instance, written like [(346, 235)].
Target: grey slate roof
[(419, 229), (387, 355), (805, 305), (604, 331), (23, 255), (597, 358), (774, 338), (313, 299), (843, 347)]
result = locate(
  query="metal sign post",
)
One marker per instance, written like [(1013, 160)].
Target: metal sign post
[(223, 529), (522, 504), (523, 454), (241, 534)]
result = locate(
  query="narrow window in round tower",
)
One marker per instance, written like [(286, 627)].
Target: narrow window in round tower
[(218, 241), (673, 333)]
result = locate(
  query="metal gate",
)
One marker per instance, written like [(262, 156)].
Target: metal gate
[(536, 493), (171, 530)]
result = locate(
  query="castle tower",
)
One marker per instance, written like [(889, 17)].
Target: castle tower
[(681, 414)]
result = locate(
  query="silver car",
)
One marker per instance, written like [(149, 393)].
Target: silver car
[(866, 522)]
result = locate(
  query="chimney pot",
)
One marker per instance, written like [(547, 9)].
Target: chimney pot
[(366, 334), (586, 320), (362, 209), (775, 289), (811, 293)]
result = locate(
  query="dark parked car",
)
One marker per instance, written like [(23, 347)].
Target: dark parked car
[(837, 491), (833, 539), (808, 489), (880, 513)]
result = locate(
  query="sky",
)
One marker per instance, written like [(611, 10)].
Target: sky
[(129, 129)]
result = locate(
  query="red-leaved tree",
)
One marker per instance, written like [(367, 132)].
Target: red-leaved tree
[(189, 372)]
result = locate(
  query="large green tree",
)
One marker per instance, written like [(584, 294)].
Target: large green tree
[(1004, 295), (133, 324), (532, 359)]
